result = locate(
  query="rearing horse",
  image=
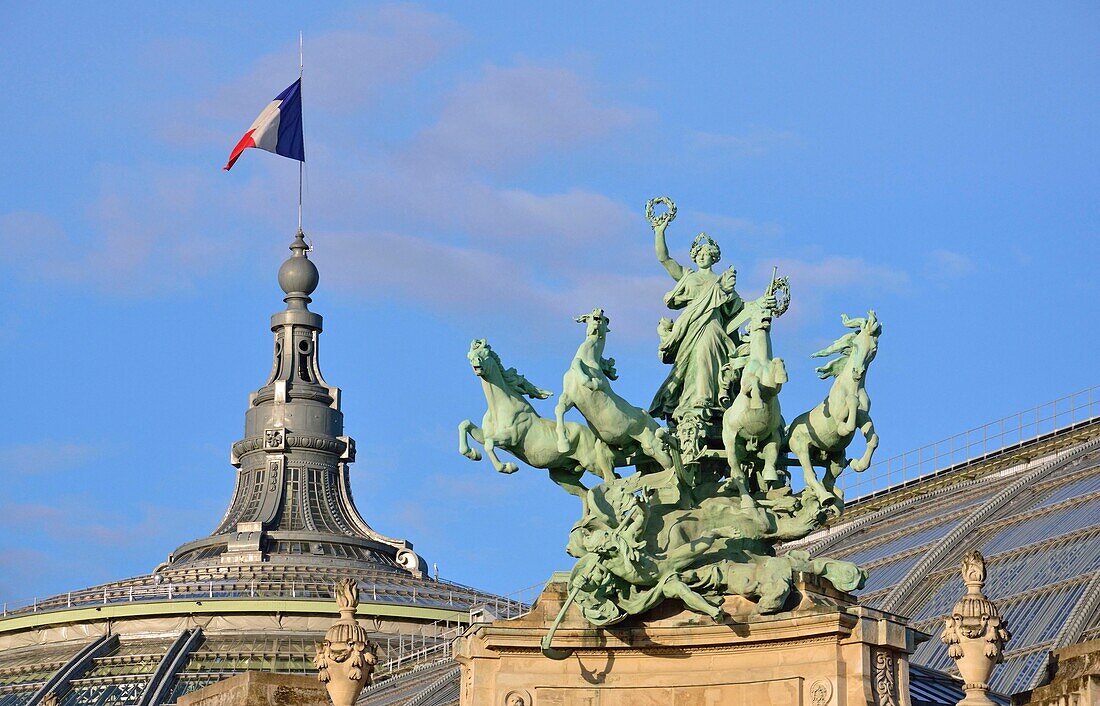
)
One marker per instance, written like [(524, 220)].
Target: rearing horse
[(822, 435), (512, 424), (753, 425), (586, 386)]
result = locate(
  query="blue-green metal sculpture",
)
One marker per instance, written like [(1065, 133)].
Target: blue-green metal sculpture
[(711, 494)]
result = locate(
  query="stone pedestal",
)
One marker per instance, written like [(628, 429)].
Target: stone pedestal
[(260, 689), (826, 651)]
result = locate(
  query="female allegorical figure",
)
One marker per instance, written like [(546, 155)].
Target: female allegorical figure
[(704, 338)]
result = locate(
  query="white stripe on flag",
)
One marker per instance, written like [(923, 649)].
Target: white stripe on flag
[(266, 135)]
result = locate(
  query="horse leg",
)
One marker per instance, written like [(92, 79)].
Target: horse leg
[(770, 454), (867, 427), (836, 464), (565, 403), (570, 481), (465, 429), (490, 451), (737, 474), (602, 462), (846, 424), (802, 450), (755, 397)]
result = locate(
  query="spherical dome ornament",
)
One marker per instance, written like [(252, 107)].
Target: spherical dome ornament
[(298, 275)]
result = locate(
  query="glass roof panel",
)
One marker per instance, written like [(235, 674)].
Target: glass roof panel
[(1043, 565), (105, 694), (1016, 673), (1048, 525), (943, 599), (886, 575), (39, 654), (1080, 487), (16, 698), (903, 542)]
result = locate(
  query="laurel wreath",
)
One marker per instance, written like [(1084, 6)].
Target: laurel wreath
[(782, 291), (666, 217)]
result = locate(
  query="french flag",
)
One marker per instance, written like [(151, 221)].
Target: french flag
[(278, 129)]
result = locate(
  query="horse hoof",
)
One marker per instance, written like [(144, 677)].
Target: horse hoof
[(509, 468), (472, 455), (563, 447)]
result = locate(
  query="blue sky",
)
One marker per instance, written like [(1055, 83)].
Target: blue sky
[(480, 171)]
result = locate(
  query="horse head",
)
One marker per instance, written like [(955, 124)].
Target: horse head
[(596, 323), (761, 319), (857, 349), (482, 358), (487, 366), (865, 344)]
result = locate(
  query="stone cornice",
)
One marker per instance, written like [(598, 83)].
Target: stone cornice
[(293, 441)]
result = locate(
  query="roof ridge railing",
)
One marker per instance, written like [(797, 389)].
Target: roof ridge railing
[(1061, 414), (446, 595)]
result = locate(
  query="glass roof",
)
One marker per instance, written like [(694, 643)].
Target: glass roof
[(1042, 546)]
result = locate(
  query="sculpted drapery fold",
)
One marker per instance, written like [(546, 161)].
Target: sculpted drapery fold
[(697, 345)]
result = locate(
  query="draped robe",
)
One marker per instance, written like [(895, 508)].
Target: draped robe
[(697, 345)]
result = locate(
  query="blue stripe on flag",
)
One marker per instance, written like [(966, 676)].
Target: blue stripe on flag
[(291, 143)]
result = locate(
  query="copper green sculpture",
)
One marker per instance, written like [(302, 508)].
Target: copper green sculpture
[(587, 386), (753, 424), (711, 495), (512, 424), (822, 435), (703, 339)]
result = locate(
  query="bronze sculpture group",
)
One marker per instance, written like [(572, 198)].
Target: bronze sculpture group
[(711, 494)]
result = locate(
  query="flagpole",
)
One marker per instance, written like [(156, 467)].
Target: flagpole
[(301, 164)]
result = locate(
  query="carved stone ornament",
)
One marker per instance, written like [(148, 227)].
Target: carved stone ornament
[(886, 679), (975, 633), (517, 697), (275, 439), (289, 441), (820, 692), (346, 658)]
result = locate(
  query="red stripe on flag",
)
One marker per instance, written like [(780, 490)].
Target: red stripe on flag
[(244, 144)]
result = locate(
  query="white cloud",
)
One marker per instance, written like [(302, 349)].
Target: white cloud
[(514, 113), (47, 456), (496, 246), (64, 518), (347, 68), (948, 264), (836, 272), (751, 144)]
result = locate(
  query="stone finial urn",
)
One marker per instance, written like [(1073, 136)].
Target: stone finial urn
[(346, 658), (975, 634)]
